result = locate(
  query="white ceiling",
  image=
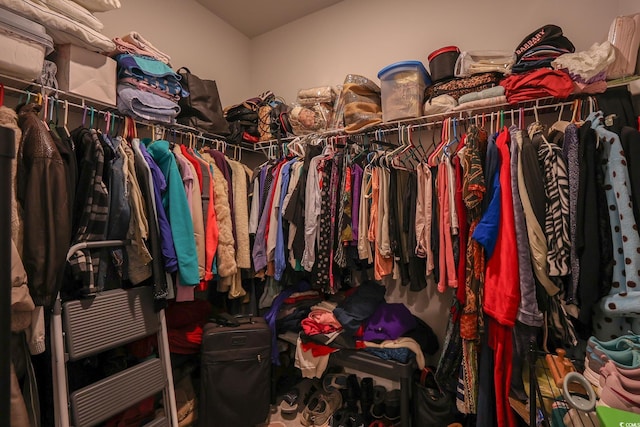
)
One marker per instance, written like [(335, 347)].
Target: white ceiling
[(255, 17)]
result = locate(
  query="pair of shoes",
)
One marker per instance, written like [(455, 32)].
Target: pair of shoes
[(337, 381), (347, 418), (352, 393), (377, 410), (392, 405), (619, 391), (623, 351), (321, 406), (288, 406)]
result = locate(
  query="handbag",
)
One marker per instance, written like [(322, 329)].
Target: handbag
[(431, 405), (202, 109)]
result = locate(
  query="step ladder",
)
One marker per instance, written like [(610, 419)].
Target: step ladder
[(85, 327)]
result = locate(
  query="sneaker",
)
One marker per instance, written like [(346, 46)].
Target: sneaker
[(322, 405), (619, 392), (624, 351)]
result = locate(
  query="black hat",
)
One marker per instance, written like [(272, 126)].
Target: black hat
[(550, 35)]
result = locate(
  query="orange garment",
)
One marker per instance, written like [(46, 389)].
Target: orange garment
[(381, 266), (211, 232), (447, 263)]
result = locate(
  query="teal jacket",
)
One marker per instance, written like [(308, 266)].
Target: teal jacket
[(175, 205)]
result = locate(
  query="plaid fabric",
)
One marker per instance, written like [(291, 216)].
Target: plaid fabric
[(92, 224)]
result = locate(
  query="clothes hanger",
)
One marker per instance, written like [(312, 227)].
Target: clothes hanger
[(444, 136), (559, 125), (1, 94)]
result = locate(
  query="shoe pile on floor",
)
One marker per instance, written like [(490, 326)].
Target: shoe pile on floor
[(341, 400), (613, 368)]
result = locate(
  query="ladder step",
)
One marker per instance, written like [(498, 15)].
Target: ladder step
[(108, 320), (159, 422), (102, 400)]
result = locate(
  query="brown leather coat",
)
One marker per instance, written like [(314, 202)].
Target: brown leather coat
[(42, 192)]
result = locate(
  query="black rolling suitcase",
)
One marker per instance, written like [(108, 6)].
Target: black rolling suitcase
[(235, 389)]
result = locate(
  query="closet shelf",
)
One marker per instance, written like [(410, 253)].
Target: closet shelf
[(539, 104), (24, 87)]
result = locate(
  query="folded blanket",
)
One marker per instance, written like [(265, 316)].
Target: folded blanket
[(486, 93), (146, 105), (169, 86), (126, 47), (140, 66), (439, 104), (73, 11), (482, 103), (137, 40), (142, 85), (61, 28)]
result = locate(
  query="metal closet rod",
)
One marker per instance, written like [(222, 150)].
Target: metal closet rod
[(113, 113), (420, 123)]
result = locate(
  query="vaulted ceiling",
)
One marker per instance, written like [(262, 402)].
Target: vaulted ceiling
[(255, 17)]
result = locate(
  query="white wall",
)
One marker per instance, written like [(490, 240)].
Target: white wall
[(628, 7), (361, 37), (193, 37)]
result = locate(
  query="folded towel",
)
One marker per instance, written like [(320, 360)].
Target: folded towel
[(139, 41), (146, 105), (482, 103), (486, 93)]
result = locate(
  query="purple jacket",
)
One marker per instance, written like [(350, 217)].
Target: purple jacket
[(166, 238)]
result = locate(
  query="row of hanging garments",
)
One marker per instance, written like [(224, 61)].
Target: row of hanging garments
[(183, 212), (529, 227), (553, 246)]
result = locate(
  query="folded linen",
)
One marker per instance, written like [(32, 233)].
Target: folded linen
[(99, 5), (169, 86), (486, 93), (141, 66), (137, 40), (146, 105), (482, 103), (587, 64), (126, 47)]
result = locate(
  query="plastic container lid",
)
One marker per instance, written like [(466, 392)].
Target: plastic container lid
[(25, 28), (419, 65), (443, 50)]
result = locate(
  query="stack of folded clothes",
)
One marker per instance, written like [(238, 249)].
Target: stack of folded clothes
[(539, 48), (148, 88), (613, 368), (587, 69)]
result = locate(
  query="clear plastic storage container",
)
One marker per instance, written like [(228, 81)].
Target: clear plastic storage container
[(402, 88), (23, 46)]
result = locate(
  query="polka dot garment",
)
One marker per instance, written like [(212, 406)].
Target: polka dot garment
[(624, 297)]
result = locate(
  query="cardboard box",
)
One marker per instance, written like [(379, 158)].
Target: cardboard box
[(86, 74)]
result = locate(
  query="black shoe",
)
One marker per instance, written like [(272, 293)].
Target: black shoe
[(366, 398), (352, 393)]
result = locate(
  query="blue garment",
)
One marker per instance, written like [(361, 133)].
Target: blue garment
[(272, 315), (140, 66), (279, 257), (175, 204), (166, 237), (168, 86), (146, 105), (624, 297), (486, 232), (259, 251)]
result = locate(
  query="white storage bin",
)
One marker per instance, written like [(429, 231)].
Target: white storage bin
[(86, 74), (402, 88), (23, 46)]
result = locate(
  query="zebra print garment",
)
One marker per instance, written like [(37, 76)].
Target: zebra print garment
[(556, 189)]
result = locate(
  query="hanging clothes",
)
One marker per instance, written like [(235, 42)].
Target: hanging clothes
[(175, 204)]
